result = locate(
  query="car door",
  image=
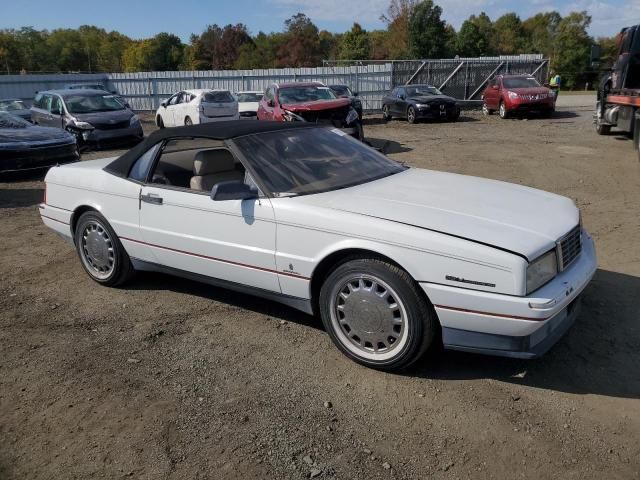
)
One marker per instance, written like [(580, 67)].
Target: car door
[(229, 240), (43, 112), (399, 104), (267, 105), (169, 110)]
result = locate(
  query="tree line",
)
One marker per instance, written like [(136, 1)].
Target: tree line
[(414, 29)]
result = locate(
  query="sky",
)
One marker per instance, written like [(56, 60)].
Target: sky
[(145, 18)]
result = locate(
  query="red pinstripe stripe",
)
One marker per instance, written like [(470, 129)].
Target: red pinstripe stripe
[(624, 100), (54, 219), (501, 315), (216, 259)]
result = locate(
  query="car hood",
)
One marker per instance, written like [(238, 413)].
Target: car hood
[(104, 117), (33, 134), (317, 105), (432, 98), (503, 215)]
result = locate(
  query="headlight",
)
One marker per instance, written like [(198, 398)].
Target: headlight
[(512, 95), (82, 125), (352, 116), (541, 270), (134, 120), (422, 105)]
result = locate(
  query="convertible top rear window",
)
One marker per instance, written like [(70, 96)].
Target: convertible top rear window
[(312, 160)]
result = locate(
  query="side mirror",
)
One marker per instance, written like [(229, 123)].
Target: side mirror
[(402, 96), (233, 190), (355, 94), (494, 87), (547, 85), (163, 104), (270, 103), (115, 92)]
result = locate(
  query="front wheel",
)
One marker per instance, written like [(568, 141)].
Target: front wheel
[(600, 128), (502, 111), (375, 314), (411, 115), (159, 122), (102, 255), (188, 121), (385, 113)]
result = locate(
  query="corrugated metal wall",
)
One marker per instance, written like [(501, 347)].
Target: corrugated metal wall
[(146, 90)]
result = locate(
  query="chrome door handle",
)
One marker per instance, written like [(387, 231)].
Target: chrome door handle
[(150, 198)]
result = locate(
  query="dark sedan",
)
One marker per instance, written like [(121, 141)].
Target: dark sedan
[(344, 91), (16, 107), (418, 102), (24, 146)]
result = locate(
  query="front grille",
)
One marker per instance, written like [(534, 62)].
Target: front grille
[(569, 247), (111, 126)]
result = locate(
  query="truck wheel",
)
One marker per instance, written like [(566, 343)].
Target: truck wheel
[(600, 128)]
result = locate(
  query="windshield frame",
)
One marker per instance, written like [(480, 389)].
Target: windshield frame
[(248, 164), (8, 102), (425, 87), (65, 100), (19, 121)]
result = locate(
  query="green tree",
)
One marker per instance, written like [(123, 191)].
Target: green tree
[(354, 44), (508, 35), (427, 31), (540, 32), (161, 52), (397, 20), (474, 37), (301, 45), (572, 49)]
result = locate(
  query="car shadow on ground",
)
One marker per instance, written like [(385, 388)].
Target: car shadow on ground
[(386, 146), (153, 281), (599, 355), (20, 197)]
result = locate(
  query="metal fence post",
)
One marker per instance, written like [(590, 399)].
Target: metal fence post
[(154, 93)]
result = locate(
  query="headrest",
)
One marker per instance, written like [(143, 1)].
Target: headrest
[(207, 162)]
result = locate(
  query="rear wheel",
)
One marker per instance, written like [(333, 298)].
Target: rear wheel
[(502, 111), (411, 115), (187, 121), (102, 255), (385, 113), (375, 314), (486, 110)]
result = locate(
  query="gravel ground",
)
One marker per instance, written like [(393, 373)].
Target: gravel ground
[(170, 379)]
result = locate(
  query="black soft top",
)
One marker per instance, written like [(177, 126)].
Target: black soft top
[(215, 131)]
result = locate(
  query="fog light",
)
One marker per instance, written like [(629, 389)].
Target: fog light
[(85, 135)]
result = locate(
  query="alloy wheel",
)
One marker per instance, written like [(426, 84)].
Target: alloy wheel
[(97, 250)]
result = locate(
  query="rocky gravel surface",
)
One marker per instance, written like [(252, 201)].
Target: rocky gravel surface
[(170, 379)]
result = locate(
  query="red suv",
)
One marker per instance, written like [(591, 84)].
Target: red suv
[(517, 93), (309, 102)]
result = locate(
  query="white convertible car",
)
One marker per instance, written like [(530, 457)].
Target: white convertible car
[(393, 259)]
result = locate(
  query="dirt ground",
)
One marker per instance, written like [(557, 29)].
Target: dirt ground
[(170, 379)]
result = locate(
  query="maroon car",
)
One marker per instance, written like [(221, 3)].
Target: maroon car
[(517, 93), (309, 102)]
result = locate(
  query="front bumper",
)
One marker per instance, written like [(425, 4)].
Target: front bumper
[(437, 112), (531, 106), (105, 137), (511, 326), (20, 160)]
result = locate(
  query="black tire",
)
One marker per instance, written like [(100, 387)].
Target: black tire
[(360, 131), (548, 113), (419, 324), (600, 128), (411, 115), (502, 111), (385, 113), (159, 122), (486, 110), (188, 121), (121, 270)]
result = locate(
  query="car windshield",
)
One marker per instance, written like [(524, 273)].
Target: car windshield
[(92, 103), (247, 97), (303, 94), (520, 82), (422, 90), (217, 97), (12, 105), (312, 160), (11, 121), (341, 90)]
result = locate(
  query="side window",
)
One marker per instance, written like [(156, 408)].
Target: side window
[(140, 169), (37, 102), (196, 164), (46, 102), (401, 92), (174, 99), (56, 105)]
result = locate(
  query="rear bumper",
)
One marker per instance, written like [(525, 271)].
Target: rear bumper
[(511, 326), (221, 118), (57, 219)]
